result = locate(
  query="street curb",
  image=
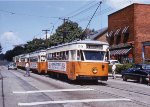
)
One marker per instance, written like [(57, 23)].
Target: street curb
[(117, 75)]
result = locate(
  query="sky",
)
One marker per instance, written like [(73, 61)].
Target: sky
[(23, 20)]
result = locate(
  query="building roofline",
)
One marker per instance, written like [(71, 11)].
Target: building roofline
[(126, 8), (103, 32), (98, 33)]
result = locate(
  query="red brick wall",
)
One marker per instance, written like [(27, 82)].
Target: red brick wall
[(121, 19), (141, 28), (137, 17)]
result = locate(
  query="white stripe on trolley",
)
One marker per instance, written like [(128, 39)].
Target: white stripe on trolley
[(59, 90), (72, 101)]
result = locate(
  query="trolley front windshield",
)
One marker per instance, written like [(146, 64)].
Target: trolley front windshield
[(94, 55)]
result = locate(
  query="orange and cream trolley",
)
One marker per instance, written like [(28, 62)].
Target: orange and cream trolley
[(23, 59), (79, 60), (37, 61), (16, 60)]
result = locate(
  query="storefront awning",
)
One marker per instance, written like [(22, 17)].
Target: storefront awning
[(125, 30), (117, 32), (110, 34), (120, 51)]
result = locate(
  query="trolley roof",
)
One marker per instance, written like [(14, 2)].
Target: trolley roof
[(36, 53), (88, 41)]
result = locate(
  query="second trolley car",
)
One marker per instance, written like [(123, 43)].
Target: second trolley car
[(22, 60), (37, 61)]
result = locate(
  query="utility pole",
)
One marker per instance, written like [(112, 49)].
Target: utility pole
[(64, 30), (46, 31)]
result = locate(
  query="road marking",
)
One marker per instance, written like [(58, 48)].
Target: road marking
[(72, 101), (60, 90)]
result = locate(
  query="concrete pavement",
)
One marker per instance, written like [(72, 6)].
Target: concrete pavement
[(43, 91)]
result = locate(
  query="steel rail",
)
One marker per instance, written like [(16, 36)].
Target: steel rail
[(2, 88)]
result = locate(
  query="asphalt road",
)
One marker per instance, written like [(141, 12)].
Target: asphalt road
[(43, 91)]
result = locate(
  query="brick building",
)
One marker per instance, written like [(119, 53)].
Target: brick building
[(128, 30), (100, 35)]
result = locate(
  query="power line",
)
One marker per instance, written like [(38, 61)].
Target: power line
[(75, 11), (87, 9), (30, 15), (106, 10)]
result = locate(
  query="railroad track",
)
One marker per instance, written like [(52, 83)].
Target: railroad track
[(104, 92), (2, 88), (121, 89)]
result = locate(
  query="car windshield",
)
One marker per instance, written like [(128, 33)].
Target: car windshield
[(12, 64), (143, 66), (147, 67), (138, 66), (94, 55)]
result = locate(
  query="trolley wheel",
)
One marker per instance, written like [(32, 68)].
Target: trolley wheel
[(95, 81), (124, 78), (39, 72), (71, 81)]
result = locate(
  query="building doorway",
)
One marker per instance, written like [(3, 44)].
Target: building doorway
[(145, 51)]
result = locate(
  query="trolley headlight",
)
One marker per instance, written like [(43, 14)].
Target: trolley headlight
[(94, 70)]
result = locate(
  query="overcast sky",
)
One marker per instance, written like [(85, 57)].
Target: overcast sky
[(21, 21)]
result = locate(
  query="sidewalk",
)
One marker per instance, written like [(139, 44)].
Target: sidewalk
[(117, 75)]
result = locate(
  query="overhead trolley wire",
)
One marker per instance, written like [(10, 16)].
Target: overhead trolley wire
[(23, 14), (106, 10), (85, 10), (79, 9)]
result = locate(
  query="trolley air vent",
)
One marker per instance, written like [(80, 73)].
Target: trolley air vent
[(94, 46)]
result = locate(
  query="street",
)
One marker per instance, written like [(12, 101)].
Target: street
[(43, 91)]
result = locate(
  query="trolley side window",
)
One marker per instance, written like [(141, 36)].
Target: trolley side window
[(73, 55), (49, 56), (94, 55), (22, 59), (33, 59), (80, 55), (27, 60), (17, 59), (64, 55)]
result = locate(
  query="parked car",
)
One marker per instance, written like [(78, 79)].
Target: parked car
[(140, 72), (111, 62), (12, 66)]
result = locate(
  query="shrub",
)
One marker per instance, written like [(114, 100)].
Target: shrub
[(120, 67)]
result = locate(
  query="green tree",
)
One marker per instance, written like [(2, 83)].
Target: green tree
[(9, 55), (67, 32), (35, 44), (14, 52), (18, 50)]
